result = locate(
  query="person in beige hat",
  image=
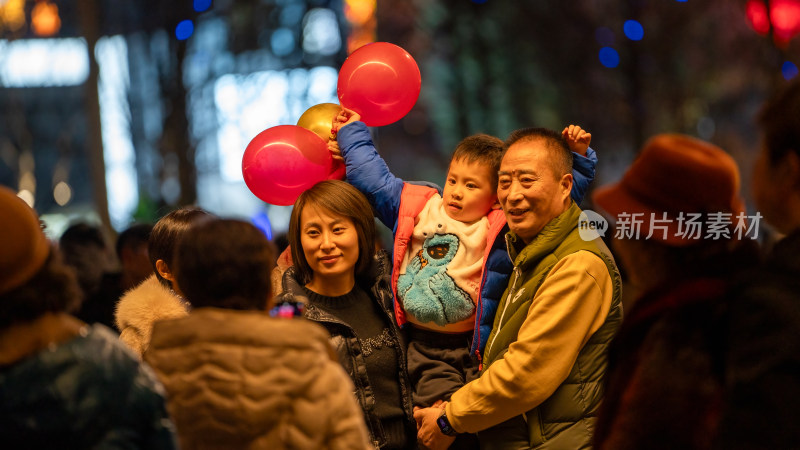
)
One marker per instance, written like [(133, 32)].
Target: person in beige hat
[(665, 382), (64, 384)]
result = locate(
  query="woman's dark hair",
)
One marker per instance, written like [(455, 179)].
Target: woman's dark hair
[(340, 198), (53, 289), (166, 233), (225, 263)]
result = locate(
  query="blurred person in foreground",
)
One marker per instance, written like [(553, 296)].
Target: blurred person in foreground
[(63, 383), (681, 239), (155, 298), (236, 377), (763, 362)]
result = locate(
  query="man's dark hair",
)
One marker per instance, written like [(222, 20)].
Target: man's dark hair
[(779, 121), (134, 236), (225, 263), (81, 234), (560, 155)]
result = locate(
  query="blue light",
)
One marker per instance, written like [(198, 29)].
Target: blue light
[(609, 57), (184, 29), (261, 221), (480, 2), (201, 5), (681, 1), (789, 70), (633, 30)]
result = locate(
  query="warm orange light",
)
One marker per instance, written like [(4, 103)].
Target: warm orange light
[(44, 19), (359, 39), (12, 15), (359, 12)]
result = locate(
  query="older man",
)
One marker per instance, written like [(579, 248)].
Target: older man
[(544, 364)]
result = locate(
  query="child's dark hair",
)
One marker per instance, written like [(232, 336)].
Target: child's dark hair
[(481, 149)]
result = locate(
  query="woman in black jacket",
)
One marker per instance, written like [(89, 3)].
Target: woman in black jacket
[(344, 285)]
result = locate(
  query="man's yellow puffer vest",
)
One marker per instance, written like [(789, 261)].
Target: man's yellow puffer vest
[(566, 419)]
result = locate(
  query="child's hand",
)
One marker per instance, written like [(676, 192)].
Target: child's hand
[(344, 117), (336, 153), (578, 140)]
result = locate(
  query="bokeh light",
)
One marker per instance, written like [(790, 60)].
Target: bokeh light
[(201, 5), (44, 19), (609, 57), (789, 70), (43, 62), (359, 12), (785, 15), (62, 193), (282, 42), (12, 14), (184, 30), (604, 36), (262, 222), (756, 12), (321, 32), (633, 30)]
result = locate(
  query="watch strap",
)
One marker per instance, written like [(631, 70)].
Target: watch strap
[(444, 425)]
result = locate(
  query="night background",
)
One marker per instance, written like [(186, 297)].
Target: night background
[(117, 111)]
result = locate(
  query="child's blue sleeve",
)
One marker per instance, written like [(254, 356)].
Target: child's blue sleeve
[(368, 172), (583, 168)]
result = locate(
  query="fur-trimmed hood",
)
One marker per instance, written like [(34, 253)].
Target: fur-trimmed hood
[(143, 305)]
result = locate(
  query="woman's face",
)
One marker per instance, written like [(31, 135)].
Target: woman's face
[(330, 244)]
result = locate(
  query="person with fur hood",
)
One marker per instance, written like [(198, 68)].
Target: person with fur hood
[(237, 378), (155, 298)]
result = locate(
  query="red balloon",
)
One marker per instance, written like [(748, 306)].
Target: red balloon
[(338, 171), (283, 161), (381, 82)]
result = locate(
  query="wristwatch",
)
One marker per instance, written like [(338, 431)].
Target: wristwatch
[(444, 425)]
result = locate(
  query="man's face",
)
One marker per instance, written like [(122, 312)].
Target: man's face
[(528, 189), (769, 190)]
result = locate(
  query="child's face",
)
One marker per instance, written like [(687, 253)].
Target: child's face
[(468, 192)]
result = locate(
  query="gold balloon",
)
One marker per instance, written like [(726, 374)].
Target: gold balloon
[(319, 119)]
